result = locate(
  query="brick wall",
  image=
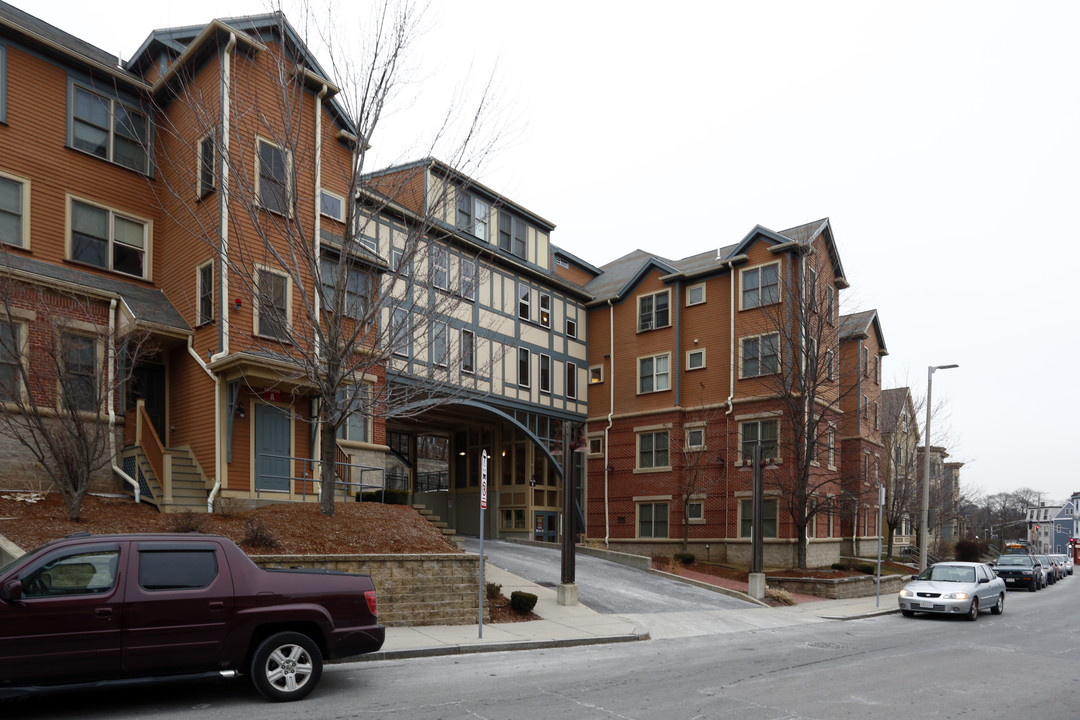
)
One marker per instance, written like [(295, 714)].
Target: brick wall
[(438, 589)]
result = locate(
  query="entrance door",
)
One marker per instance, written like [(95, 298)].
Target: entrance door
[(148, 385), (271, 449), (545, 526)]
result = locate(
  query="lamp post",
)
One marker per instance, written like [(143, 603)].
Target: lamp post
[(925, 515)]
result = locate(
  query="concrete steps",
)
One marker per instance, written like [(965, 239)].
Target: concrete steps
[(448, 532)]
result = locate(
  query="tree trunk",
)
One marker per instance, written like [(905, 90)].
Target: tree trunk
[(328, 469)]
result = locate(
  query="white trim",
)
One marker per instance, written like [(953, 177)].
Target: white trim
[(695, 287), (287, 159), (695, 351), (779, 284)]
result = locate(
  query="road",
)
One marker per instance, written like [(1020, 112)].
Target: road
[(603, 586), (1014, 665)]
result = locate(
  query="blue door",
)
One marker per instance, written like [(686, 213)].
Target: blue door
[(271, 449)]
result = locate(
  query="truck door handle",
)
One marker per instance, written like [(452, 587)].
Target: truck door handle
[(217, 605), (103, 612)]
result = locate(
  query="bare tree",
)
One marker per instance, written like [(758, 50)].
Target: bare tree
[(697, 463), (333, 307), (63, 365)]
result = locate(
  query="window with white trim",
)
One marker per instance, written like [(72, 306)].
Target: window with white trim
[(545, 310), (467, 279), (440, 343), (440, 268), (596, 445), (695, 511), (109, 129), (652, 449), (357, 400), (272, 303), (760, 286), (79, 388), (758, 432), (207, 170), (331, 205), (596, 374), (512, 234), (398, 263), (571, 380), (108, 239), (524, 302), (545, 373), (652, 519), (768, 518), (14, 211), (357, 284), (272, 177), (400, 334), (695, 359), (204, 279), (695, 294), (832, 446), (760, 355), (695, 438), (472, 215), (523, 368), (468, 351), (654, 311), (654, 373), (571, 327)]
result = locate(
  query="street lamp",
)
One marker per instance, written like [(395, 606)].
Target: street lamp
[(925, 516)]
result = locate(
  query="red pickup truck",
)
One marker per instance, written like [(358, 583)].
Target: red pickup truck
[(101, 608)]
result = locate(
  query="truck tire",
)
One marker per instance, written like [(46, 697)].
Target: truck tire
[(286, 666)]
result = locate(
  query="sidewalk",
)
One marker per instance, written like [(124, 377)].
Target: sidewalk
[(566, 626)]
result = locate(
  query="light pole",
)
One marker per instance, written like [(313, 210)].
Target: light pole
[(925, 515)]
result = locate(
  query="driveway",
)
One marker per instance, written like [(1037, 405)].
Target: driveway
[(603, 586)]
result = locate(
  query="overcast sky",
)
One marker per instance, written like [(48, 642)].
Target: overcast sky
[(941, 139)]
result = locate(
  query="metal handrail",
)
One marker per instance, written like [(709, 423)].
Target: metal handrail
[(341, 470)]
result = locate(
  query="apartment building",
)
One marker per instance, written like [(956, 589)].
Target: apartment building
[(900, 440)]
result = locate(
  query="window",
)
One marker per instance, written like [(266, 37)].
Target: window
[(398, 263), (11, 350), (695, 294), (829, 365), (104, 127), (653, 311), (759, 432), (524, 307), (332, 205), (652, 449), (177, 569), (79, 387), (481, 212), (545, 310), (14, 211), (357, 284), (545, 373), (832, 447), (760, 355), (464, 211), (468, 351), (273, 187), (811, 289), (399, 331), (830, 302), (877, 367), (80, 573), (467, 281), (877, 408), (653, 375), (653, 520), (472, 215), (207, 169), (440, 347), (695, 511), (107, 239), (596, 445), (511, 234), (695, 359), (523, 367), (571, 327), (356, 401), (440, 272), (205, 281), (571, 380), (695, 438), (760, 286), (768, 518), (865, 407), (596, 374), (272, 308)]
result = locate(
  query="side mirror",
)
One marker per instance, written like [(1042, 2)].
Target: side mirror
[(983, 581), (11, 591)]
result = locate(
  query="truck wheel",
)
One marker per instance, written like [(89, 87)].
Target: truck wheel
[(286, 666)]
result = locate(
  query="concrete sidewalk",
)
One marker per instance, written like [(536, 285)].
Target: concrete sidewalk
[(565, 626)]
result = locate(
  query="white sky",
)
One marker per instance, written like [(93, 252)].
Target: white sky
[(938, 137)]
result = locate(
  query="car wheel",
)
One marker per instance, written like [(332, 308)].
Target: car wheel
[(286, 666), (973, 611), (1034, 585), (907, 613), (999, 606)]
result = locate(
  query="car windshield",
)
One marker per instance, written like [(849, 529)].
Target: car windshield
[(1013, 560), (949, 573)]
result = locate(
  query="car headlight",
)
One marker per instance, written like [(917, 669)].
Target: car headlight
[(955, 596), (906, 593)]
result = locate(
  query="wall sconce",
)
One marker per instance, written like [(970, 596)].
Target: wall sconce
[(240, 411)]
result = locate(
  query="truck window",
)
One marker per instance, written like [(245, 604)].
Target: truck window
[(177, 569), (81, 573)]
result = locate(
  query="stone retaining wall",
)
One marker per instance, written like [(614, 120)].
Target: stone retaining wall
[(838, 588), (434, 589)]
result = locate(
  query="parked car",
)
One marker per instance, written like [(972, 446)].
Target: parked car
[(954, 588), (93, 609), (1019, 570), (1059, 564), (1066, 562), (1052, 573)]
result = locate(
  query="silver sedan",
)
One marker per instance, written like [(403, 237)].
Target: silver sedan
[(954, 588)]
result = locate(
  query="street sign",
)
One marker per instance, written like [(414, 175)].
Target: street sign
[(483, 480)]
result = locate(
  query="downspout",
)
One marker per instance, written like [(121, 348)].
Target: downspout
[(731, 390), (610, 415), (217, 422), (676, 362), (112, 404), (316, 447)]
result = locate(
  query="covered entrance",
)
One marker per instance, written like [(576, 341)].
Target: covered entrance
[(272, 445), (546, 526)]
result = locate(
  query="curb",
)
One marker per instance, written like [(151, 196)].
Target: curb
[(467, 649), (872, 613)]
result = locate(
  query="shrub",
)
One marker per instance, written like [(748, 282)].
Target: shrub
[(228, 506), (967, 551), (781, 596), (186, 522), (388, 497), (866, 569), (493, 590), (684, 558), (256, 534), (522, 602)]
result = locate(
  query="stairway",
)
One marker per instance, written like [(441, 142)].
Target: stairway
[(188, 482), (448, 532)]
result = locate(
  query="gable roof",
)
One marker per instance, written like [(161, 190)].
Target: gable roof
[(893, 401), (619, 276), (858, 325)]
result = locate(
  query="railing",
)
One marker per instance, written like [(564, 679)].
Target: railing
[(433, 481), (146, 437), (350, 478)]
